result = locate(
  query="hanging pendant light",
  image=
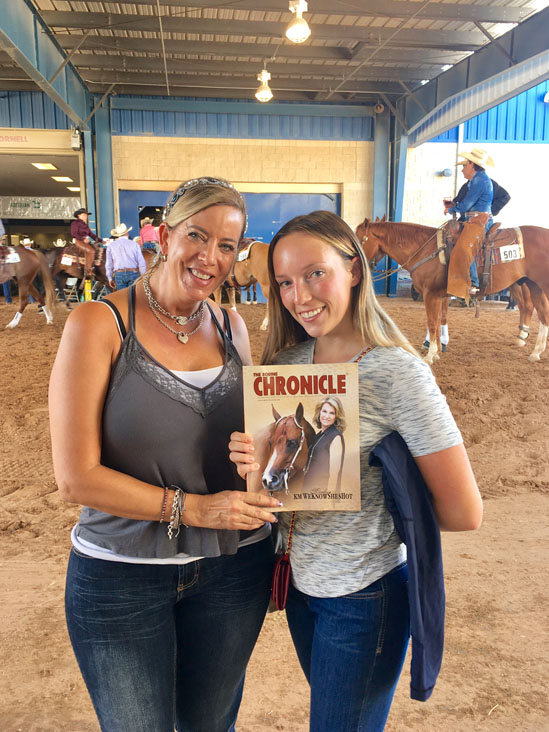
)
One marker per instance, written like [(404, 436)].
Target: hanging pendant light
[(298, 30), (264, 93)]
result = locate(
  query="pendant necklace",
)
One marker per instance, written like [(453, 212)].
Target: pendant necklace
[(154, 304), (179, 319)]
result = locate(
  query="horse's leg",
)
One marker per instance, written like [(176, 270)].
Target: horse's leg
[(23, 302), (541, 303), (444, 335), (265, 323), (433, 305), (521, 295), (231, 294), (254, 291)]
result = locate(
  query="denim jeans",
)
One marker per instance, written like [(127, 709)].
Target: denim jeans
[(351, 650), (167, 645), (125, 279)]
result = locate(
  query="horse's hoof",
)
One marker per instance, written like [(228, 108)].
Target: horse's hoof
[(425, 346), (443, 346), (520, 342), (533, 357)]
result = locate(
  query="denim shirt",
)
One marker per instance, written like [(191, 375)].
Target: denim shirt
[(479, 195)]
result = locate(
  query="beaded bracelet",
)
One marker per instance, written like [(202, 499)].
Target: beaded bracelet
[(164, 504)]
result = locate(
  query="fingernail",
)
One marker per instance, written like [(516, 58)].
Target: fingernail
[(275, 520), (280, 503)]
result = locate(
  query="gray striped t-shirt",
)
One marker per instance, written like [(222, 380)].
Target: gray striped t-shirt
[(338, 552)]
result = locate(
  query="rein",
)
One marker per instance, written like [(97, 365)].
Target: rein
[(290, 467)]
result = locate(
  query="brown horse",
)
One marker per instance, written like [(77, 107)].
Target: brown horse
[(31, 262), (60, 266), (246, 272), (282, 452), (417, 249)]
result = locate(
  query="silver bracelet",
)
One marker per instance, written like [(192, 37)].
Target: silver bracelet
[(178, 508)]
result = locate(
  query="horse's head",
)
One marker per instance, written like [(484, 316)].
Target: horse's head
[(289, 442), (370, 236)]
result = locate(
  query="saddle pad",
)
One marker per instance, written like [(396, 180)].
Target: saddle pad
[(244, 253), (8, 255), (508, 246)]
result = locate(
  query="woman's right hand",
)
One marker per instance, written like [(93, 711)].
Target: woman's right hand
[(230, 510), (242, 454)]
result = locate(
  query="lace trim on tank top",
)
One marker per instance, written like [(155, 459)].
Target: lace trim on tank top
[(134, 357)]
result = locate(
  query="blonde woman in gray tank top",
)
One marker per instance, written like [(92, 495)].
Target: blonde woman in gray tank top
[(169, 575)]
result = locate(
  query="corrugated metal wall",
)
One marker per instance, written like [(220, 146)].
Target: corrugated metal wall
[(31, 110), (231, 125), (524, 118)]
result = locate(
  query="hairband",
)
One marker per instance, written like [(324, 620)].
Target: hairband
[(192, 184)]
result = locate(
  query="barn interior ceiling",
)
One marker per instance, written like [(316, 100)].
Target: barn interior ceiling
[(359, 51)]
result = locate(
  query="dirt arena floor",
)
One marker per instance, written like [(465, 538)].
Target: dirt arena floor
[(494, 675)]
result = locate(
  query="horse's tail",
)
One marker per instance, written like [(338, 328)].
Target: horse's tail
[(48, 280)]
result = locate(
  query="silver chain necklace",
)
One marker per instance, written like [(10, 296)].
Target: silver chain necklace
[(179, 319)]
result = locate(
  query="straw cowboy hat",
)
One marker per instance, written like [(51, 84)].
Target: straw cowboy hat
[(478, 156), (146, 220), (26, 241), (120, 230)]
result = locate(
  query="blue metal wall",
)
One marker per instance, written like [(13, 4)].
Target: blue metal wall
[(31, 110), (524, 118), (241, 125)]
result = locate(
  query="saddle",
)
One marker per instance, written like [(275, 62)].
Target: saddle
[(500, 246), (8, 255), (72, 253)]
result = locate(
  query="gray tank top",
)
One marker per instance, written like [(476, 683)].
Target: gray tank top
[(164, 431)]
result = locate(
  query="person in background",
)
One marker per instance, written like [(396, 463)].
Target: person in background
[(82, 235), (148, 234), (169, 579), (348, 604), (124, 259), (477, 208), (6, 286)]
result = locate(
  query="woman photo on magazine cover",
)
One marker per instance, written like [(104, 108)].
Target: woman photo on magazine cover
[(348, 607), (327, 453)]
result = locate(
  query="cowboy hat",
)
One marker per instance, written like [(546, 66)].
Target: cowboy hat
[(80, 211), (26, 241), (120, 230), (146, 220), (478, 156), (59, 243)]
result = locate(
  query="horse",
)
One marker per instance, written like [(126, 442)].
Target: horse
[(422, 251), (249, 268), (31, 262), (282, 452), (67, 262)]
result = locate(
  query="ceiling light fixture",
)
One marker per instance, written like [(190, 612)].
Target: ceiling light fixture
[(62, 178), (298, 30), (45, 166), (446, 67), (264, 93), (75, 189)]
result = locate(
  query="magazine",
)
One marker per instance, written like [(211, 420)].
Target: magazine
[(305, 424)]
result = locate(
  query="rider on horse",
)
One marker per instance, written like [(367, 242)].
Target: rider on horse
[(81, 233), (477, 209)]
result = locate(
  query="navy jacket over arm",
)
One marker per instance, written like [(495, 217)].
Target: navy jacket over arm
[(409, 502)]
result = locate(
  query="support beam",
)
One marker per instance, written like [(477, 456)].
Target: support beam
[(104, 174), (30, 44)]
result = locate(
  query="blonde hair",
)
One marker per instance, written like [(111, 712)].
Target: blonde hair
[(369, 318), (195, 195), (340, 421)]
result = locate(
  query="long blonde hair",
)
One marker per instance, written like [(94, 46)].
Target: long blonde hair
[(369, 318), (340, 422), (195, 195)]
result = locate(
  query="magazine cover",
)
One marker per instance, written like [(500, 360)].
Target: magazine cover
[(304, 420)]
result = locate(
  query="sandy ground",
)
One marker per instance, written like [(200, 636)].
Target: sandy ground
[(494, 675)]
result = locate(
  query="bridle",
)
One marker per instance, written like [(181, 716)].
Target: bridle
[(287, 471)]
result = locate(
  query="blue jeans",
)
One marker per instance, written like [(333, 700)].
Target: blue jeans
[(473, 273), (7, 292), (125, 279), (167, 645), (351, 650)]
